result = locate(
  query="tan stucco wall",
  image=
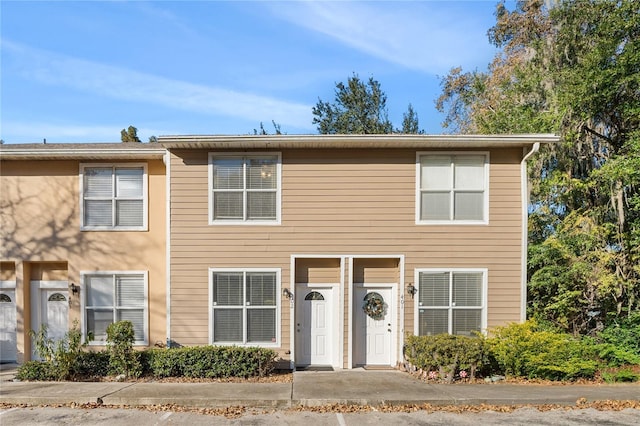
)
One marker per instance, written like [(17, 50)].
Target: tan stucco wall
[(40, 233), (341, 202)]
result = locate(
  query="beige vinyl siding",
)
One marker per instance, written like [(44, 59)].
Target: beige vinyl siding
[(341, 202)]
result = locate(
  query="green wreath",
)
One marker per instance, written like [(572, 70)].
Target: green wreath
[(374, 306)]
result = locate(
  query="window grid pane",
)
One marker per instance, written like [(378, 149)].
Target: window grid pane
[(468, 205), (227, 325), (97, 322), (227, 173), (261, 205), (466, 321), (261, 173), (129, 183), (434, 289), (98, 182), (467, 289), (261, 289), (469, 172), (433, 321), (436, 205), (227, 206), (136, 316), (100, 291), (227, 289), (129, 212), (261, 325), (98, 213), (130, 291)]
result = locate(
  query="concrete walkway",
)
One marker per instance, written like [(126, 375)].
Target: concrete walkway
[(358, 387)]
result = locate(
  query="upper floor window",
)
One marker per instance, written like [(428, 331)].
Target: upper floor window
[(244, 188), (452, 188), (114, 197), (450, 301)]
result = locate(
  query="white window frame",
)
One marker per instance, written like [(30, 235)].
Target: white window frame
[(278, 306), (145, 197), (84, 306), (450, 308), (278, 191), (418, 196)]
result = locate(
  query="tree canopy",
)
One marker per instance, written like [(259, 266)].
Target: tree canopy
[(359, 107), (129, 135), (571, 67)]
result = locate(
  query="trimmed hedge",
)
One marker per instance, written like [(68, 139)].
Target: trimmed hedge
[(211, 362), (446, 356)]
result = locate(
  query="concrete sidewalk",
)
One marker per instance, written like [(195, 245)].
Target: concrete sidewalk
[(357, 387)]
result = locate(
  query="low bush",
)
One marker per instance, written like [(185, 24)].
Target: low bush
[(525, 350), (37, 371), (623, 334), (621, 374), (445, 356), (92, 365), (211, 362)]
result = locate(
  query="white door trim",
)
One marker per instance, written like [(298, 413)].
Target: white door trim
[(304, 288), (340, 306), (398, 328)]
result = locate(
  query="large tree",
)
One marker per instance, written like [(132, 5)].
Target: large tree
[(360, 107), (130, 135), (571, 67)]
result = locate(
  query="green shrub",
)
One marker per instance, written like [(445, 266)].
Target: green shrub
[(211, 362), (614, 356), (122, 357), (61, 354), (620, 375), (37, 371), (524, 350), (624, 334), (447, 355), (92, 365)]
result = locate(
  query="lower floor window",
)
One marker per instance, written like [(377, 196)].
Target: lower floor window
[(450, 302), (244, 306), (112, 297)]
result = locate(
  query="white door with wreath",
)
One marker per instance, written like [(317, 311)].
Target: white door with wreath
[(374, 327)]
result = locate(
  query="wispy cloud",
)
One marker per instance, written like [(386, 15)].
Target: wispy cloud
[(55, 132), (124, 84), (415, 35)]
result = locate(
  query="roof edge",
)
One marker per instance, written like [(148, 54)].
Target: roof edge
[(353, 141), (81, 153)]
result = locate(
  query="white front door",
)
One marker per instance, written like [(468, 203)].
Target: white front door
[(374, 326), (314, 326), (55, 312), (8, 342)]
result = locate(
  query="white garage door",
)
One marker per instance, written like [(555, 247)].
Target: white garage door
[(8, 326)]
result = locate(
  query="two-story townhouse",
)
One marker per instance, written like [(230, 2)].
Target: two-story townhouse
[(331, 249), (82, 238)]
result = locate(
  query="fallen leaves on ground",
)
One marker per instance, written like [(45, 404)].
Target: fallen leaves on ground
[(233, 412)]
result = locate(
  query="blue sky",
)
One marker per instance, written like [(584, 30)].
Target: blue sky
[(81, 71)]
